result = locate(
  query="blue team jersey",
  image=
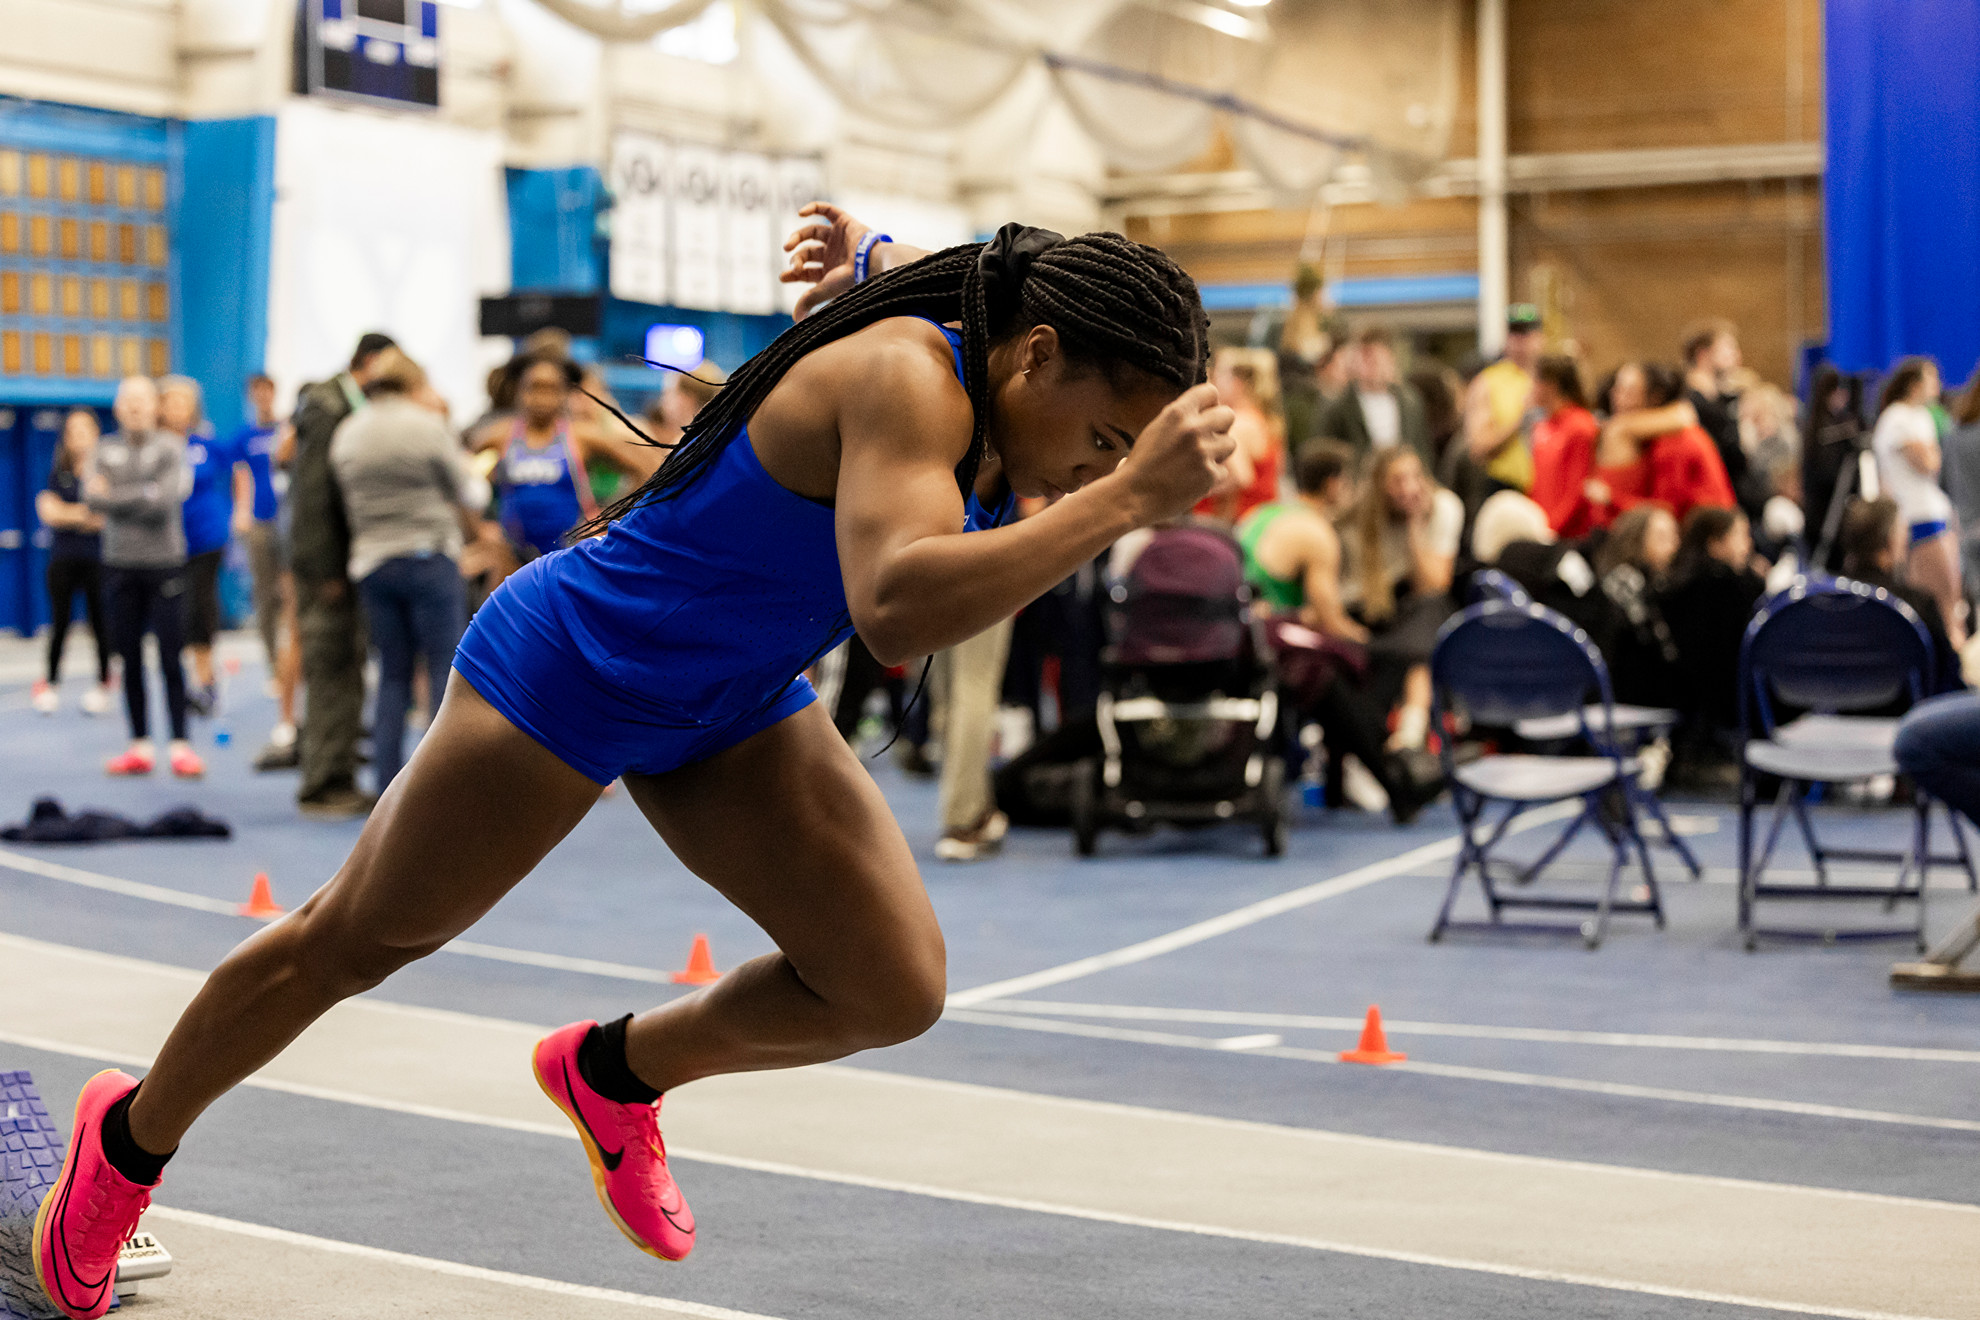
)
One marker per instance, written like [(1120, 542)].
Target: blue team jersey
[(256, 444), (209, 508), (681, 631), (545, 492)]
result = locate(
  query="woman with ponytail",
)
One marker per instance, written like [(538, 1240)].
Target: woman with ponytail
[(826, 490)]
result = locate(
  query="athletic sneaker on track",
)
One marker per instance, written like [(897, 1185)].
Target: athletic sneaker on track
[(628, 1158), (89, 1213)]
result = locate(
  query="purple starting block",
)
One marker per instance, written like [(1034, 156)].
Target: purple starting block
[(31, 1150)]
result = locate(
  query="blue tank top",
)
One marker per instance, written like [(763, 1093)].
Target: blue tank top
[(541, 498), (710, 603)]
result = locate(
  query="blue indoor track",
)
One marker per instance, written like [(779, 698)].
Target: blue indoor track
[(1667, 1126)]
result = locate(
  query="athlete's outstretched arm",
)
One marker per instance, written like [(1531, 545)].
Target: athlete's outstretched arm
[(915, 584)]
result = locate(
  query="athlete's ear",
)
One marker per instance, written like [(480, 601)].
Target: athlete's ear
[(1041, 346)]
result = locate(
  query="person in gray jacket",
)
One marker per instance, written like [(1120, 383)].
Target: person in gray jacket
[(406, 485), (137, 481)]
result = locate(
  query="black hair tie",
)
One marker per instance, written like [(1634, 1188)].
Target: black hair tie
[(1004, 262)]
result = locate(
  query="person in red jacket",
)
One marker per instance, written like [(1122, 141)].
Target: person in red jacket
[(1563, 448), (1652, 449)]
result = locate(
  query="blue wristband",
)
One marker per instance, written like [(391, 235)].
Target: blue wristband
[(864, 253)]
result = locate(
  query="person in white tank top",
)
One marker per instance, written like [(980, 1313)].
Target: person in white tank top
[(1906, 443)]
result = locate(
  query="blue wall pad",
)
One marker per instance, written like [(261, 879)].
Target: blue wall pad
[(553, 229), (30, 1157), (225, 216), (1903, 214)]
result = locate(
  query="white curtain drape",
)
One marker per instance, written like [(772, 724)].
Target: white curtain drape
[(1299, 87)]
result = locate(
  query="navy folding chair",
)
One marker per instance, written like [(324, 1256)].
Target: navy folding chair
[(1832, 648), (1499, 663), (1494, 584), (1633, 725)]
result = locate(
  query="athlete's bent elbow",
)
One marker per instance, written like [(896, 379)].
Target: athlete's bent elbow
[(890, 640)]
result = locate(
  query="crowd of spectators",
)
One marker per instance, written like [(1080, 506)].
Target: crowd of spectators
[(370, 527), (1650, 509)]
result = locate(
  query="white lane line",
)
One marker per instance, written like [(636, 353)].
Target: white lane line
[(1056, 1027), (1545, 1035), (1023, 1204), (562, 1130), (111, 884), (1248, 915), (450, 1268), (14, 861), (1691, 1097)]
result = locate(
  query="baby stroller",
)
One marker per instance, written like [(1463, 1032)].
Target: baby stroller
[(1188, 710)]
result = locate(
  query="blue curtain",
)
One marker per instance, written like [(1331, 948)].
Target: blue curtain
[(1902, 187)]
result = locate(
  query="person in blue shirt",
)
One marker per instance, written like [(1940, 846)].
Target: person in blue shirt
[(542, 476), (209, 518), (259, 444)]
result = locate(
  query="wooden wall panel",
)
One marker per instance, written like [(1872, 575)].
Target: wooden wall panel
[(1629, 268), (1601, 75)]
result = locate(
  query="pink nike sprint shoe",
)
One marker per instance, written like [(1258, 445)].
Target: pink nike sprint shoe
[(89, 1213), (628, 1159)]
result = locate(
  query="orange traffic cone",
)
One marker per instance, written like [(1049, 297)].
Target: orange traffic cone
[(1374, 1047), (261, 903), (701, 965)]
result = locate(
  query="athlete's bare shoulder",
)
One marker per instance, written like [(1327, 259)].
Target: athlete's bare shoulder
[(893, 383)]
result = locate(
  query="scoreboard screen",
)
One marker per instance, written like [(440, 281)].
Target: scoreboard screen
[(384, 51)]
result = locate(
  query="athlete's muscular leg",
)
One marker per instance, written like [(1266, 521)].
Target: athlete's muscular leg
[(477, 807), (791, 829)]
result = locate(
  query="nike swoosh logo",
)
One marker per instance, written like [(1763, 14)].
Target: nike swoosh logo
[(94, 1288), (687, 1228), (610, 1158)]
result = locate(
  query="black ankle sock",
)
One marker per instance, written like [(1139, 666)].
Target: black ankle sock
[(122, 1150), (601, 1061)]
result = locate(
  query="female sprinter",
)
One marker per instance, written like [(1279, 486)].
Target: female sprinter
[(543, 475), (824, 491)]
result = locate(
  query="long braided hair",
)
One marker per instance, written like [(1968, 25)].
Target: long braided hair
[(1117, 306)]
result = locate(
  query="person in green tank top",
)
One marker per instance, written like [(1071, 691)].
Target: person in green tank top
[(1292, 557), (1292, 554)]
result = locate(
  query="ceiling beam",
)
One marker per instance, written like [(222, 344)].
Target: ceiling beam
[(1564, 171)]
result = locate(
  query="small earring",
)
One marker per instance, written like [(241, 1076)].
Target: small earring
[(1025, 372)]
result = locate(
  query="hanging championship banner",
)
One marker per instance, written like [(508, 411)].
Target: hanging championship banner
[(698, 227), (640, 258), (800, 181), (753, 241), (699, 249)]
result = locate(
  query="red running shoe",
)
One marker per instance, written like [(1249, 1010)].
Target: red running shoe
[(628, 1159), (89, 1213)]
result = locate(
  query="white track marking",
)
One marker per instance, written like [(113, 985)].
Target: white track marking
[(1248, 915), (563, 1130), (453, 1269), (1263, 1041), (1545, 1035), (1171, 1040), (14, 861), (737, 1122), (111, 884)]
